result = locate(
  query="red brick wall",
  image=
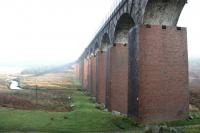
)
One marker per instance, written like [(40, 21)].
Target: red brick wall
[(118, 92), (89, 74), (102, 61), (77, 70), (163, 74), (94, 76), (85, 74), (81, 63)]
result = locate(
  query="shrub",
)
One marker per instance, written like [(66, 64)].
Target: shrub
[(79, 89), (65, 117), (124, 122)]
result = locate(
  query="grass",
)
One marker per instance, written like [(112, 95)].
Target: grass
[(87, 116), (191, 130), (84, 118), (49, 99), (194, 121), (184, 126)]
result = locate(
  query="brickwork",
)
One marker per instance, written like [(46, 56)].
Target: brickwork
[(94, 76), (81, 63), (163, 74), (77, 69), (146, 79), (90, 75), (85, 74), (101, 77), (118, 93)]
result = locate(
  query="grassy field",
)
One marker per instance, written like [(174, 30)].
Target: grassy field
[(83, 116), (51, 96)]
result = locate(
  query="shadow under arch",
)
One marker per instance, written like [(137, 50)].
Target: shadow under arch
[(96, 48), (105, 42), (163, 12), (124, 24)]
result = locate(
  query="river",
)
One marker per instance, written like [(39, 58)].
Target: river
[(14, 85)]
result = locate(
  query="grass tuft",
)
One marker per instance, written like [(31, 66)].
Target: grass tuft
[(124, 122), (100, 106), (92, 99)]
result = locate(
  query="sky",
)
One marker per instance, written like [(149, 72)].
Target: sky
[(190, 18), (57, 31)]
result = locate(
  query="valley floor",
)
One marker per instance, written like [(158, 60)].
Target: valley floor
[(83, 116)]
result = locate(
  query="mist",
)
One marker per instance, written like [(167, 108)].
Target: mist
[(49, 32)]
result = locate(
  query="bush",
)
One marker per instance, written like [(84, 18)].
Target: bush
[(79, 89), (124, 122)]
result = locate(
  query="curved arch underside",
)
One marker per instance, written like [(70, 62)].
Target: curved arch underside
[(96, 47), (105, 43), (123, 26), (163, 12)]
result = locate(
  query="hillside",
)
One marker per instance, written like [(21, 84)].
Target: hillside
[(194, 75)]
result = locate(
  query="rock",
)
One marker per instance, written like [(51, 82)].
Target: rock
[(116, 113), (72, 105)]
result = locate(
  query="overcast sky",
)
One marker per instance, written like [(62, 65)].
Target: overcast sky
[(57, 31)]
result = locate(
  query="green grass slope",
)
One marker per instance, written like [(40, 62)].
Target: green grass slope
[(84, 118)]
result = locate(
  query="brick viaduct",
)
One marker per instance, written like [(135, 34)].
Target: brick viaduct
[(137, 63)]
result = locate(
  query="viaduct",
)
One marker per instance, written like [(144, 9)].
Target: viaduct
[(137, 63)]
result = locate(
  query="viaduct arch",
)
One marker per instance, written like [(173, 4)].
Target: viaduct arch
[(127, 68), (154, 12)]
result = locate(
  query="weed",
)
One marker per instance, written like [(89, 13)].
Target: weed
[(65, 117)]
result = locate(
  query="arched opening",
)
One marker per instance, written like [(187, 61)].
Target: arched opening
[(102, 69), (118, 76), (96, 48), (105, 42), (124, 24), (163, 12), (91, 52)]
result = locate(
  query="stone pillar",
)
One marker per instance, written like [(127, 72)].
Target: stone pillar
[(158, 73)]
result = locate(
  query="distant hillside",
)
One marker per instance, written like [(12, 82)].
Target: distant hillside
[(45, 69), (194, 68)]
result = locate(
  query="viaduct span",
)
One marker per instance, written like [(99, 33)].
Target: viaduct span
[(137, 63)]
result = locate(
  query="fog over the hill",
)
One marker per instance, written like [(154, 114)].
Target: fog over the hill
[(46, 32)]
